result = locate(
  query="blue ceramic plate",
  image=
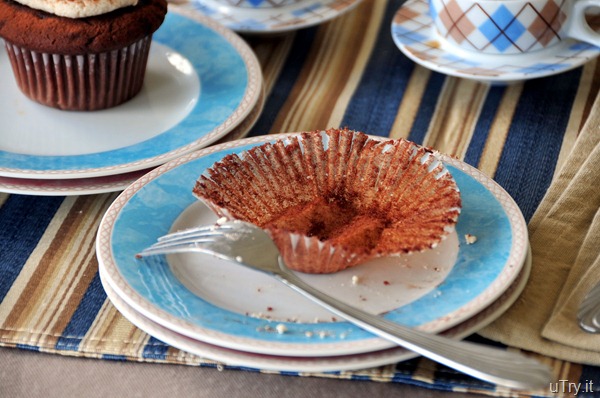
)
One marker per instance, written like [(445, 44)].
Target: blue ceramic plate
[(202, 80), (216, 302), (336, 363)]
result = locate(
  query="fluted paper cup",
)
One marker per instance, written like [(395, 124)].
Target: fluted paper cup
[(83, 82), (333, 199)]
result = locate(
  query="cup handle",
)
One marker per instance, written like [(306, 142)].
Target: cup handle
[(579, 28)]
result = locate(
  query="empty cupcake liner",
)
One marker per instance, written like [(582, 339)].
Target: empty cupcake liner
[(333, 199)]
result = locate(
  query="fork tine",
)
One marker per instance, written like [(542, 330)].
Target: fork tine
[(193, 233), (185, 240), (179, 248), (175, 247)]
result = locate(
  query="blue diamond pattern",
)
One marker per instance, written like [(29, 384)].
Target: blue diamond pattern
[(248, 24), (502, 43), (433, 12), (306, 10), (542, 67), (502, 29), (514, 30), (411, 35), (581, 46)]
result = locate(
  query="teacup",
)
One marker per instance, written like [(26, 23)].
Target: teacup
[(260, 4), (512, 26)]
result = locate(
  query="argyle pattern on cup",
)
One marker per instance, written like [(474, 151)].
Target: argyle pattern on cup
[(500, 27)]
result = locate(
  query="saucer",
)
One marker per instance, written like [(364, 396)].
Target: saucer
[(414, 34), (202, 80), (271, 20)]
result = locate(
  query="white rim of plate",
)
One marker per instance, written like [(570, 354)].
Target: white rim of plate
[(274, 20), (252, 93), (513, 264), (110, 183), (229, 357), (413, 33)]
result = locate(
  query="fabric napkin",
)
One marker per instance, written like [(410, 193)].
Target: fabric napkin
[(565, 242)]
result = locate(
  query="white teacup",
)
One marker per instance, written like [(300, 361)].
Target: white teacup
[(259, 4), (512, 26)]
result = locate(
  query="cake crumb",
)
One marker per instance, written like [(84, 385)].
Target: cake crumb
[(355, 280), (281, 328), (221, 220), (470, 239)]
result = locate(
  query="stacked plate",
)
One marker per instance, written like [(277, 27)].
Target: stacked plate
[(203, 84), (224, 312)]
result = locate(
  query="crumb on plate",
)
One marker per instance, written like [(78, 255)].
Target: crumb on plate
[(470, 239)]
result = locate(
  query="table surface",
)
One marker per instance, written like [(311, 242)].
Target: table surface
[(26, 374), (346, 72)]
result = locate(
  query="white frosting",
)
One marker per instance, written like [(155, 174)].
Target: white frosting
[(77, 8)]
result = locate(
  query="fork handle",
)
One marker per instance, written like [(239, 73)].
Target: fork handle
[(589, 311), (495, 365)]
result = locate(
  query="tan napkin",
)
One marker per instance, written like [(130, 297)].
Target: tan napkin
[(565, 243)]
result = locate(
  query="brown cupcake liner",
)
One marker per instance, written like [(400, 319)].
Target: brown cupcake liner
[(333, 199), (84, 82)]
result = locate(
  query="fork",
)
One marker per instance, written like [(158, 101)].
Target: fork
[(589, 311), (252, 247)]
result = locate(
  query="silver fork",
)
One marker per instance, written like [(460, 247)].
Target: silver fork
[(589, 311), (250, 246)]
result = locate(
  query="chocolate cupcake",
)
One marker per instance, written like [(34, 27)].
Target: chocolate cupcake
[(82, 54), (333, 199)]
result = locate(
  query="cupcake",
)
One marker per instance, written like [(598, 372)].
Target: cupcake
[(334, 199), (80, 54)]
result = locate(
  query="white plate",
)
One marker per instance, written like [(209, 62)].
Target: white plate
[(110, 183), (201, 81), (275, 20), (414, 34), (71, 186), (220, 308), (230, 357)]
